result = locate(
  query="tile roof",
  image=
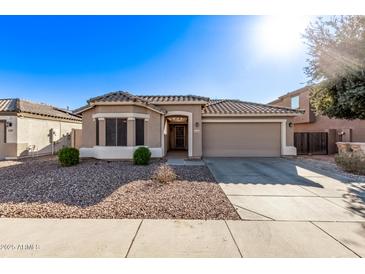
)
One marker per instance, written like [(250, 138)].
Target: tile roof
[(122, 96), (174, 98), (8, 105), (217, 106), (19, 105), (226, 106), (117, 96)]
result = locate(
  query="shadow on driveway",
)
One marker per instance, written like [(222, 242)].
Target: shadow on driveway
[(282, 171), (257, 171)]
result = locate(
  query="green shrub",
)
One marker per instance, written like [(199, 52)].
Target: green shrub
[(351, 162), (142, 156), (68, 156)]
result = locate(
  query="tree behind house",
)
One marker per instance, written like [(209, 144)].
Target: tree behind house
[(336, 66)]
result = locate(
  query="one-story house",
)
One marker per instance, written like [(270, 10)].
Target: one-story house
[(33, 129), (318, 134), (115, 124)]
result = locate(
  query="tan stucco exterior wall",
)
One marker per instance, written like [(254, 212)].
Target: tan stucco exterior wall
[(154, 129), (76, 138), (308, 116), (152, 126), (323, 123), (290, 131), (88, 129), (131, 133)]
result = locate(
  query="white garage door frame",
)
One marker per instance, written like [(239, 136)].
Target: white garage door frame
[(285, 150)]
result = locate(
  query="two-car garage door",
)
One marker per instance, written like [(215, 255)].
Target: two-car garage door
[(222, 139)]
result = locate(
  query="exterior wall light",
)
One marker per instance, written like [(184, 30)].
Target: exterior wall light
[(196, 124), (290, 124)]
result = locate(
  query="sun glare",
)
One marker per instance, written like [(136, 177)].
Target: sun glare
[(280, 36)]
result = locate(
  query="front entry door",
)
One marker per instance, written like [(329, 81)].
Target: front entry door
[(180, 137)]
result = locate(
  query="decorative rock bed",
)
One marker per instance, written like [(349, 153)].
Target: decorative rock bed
[(40, 188), (351, 157), (351, 147)]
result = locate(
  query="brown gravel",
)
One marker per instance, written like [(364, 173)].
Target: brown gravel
[(40, 188)]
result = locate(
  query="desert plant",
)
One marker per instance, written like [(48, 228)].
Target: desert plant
[(164, 174), (351, 162), (68, 156), (141, 156)]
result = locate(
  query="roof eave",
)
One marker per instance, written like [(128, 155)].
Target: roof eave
[(26, 113), (79, 112), (250, 114), (180, 103), (125, 104), (10, 113)]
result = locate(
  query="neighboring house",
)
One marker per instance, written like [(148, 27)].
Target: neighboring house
[(31, 129), (318, 134), (114, 124)]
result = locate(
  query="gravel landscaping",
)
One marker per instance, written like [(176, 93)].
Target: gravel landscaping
[(330, 168), (40, 188)]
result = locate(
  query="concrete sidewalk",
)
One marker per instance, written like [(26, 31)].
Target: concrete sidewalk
[(179, 238)]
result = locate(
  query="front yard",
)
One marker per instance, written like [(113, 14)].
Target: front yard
[(40, 188)]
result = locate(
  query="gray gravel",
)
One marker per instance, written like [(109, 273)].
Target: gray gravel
[(330, 169), (40, 188)]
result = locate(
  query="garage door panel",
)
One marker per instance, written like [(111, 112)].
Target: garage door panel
[(241, 139)]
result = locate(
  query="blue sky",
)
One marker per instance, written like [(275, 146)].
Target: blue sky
[(64, 60)]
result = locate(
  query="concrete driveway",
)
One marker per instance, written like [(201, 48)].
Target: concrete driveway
[(280, 189), (281, 196), (277, 171)]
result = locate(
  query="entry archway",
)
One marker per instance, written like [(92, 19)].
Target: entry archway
[(189, 115)]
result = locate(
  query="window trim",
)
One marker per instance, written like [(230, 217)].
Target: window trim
[(121, 115)]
